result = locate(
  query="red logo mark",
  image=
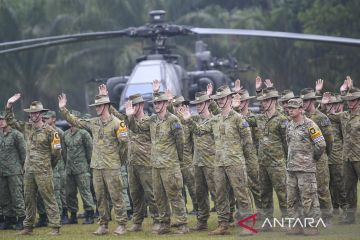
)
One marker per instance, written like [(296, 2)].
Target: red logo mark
[(242, 221)]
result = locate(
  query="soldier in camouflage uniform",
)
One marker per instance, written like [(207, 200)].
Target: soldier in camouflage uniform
[(350, 122), (43, 150), (306, 145), (286, 95), (322, 175), (233, 145), (167, 142), (110, 137), (336, 163), (77, 148), (12, 158)]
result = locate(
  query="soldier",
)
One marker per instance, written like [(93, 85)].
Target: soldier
[(110, 136), (306, 145), (12, 158), (322, 175), (187, 168), (233, 144), (43, 150), (78, 147), (167, 142), (286, 95)]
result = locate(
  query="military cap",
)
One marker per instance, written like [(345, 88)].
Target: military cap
[(352, 94), (2, 115), (286, 95), (295, 103), (159, 96), (136, 98), (179, 100), (308, 93), (268, 93), (200, 97), (222, 92), (100, 100), (245, 95), (36, 106), (49, 114)]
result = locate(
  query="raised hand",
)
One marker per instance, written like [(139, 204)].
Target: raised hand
[(268, 83), (326, 98), (103, 90), (236, 100), (156, 85), (169, 94), (350, 82), (258, 83), (319, 85), (62, 100), (13, 99), (209, 89), (344, 86), (237, 87), (185, 112), (129, 109)]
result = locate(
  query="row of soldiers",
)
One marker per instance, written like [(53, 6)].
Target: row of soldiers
[(222, 150)]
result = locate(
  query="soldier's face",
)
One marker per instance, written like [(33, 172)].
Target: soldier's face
[(3, 123), (100, 109), (224, 102), (160, 106), (307, 103), (354, 104), (285, 107), (339, 107), (267, 104), (35, 117), (330, 107), (294, 112), (200, 107)]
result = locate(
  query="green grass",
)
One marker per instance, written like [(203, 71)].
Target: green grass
[(80, 231)]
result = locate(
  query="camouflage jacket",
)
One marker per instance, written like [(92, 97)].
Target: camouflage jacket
[(273, 147), (60, 166), (232, 136), (167, 140), (12, 152), (335, 156), (204, 151), (78, 148), (109, 139), (43, 147), (306, 145), (139, 145)]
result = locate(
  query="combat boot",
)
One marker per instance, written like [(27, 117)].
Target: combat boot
[(183, 229), (120, 230), (89, 218), (26, 231), (220, 230), (73, 218), (102, 230), (135, 228), (163, 229), (55, 231), (64, 216), (155, 227), (313, 231), (19, 224), (294, 231), (200, 226), (42, 222)]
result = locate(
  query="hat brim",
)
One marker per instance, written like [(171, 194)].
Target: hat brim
[(349, 98), (186, 102), (28, 110), (308, 98), (247, 98), (159, 100), (137, 102), (215, 97), (261, 98), (287, 99), (98, 104), (199, 101)]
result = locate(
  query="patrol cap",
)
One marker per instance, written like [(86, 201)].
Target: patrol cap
[(222, 92), (308, 93), (286, 95), (2, 115), (36, 106), (100, 100), (179, 100), (245, 95), (352, 94), (295, 103), (136, 98), (49, 114), (159, 97), (200, 97), (268, 93)]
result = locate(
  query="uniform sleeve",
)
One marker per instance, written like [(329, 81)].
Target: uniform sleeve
[(117, 114), (21, 147), (55, 146), (178, 133), (122, 134), (199, 129), (318, 140), (88, 144), (326, 129), (246, 140), (77, 122), (13, 122), (138, 126), (282, 130)]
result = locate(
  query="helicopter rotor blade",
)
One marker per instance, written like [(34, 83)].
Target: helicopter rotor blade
[(272, 34)]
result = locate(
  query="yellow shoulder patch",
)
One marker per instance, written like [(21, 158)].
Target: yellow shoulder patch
[(122, 130), (55, 143), (315, 135)]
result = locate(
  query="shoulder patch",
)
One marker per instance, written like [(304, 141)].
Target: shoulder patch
[(177, 125), (245, 124), (315, 135), (122, 130), (55, 143), (284, 124)]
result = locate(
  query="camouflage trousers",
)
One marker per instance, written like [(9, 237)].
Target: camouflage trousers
[(302, 197), (234, 177), (109, 182), (189, 180), (252, 170), (167, 186), (125, 187), (141, 192), (57, 191), (12, 196), (272, 177), (204, 183), (351, 179), (63, 190), (323, 183), (337, 188), (82, 182), (42, 183)]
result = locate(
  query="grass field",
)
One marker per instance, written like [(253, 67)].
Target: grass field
[(80, 231)]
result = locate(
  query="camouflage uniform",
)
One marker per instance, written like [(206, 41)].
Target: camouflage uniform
[(12, 158), (42, 153), (306, 145), (78, 148), (109, 143)]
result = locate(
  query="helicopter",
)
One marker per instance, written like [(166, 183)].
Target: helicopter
[(160, 62)]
